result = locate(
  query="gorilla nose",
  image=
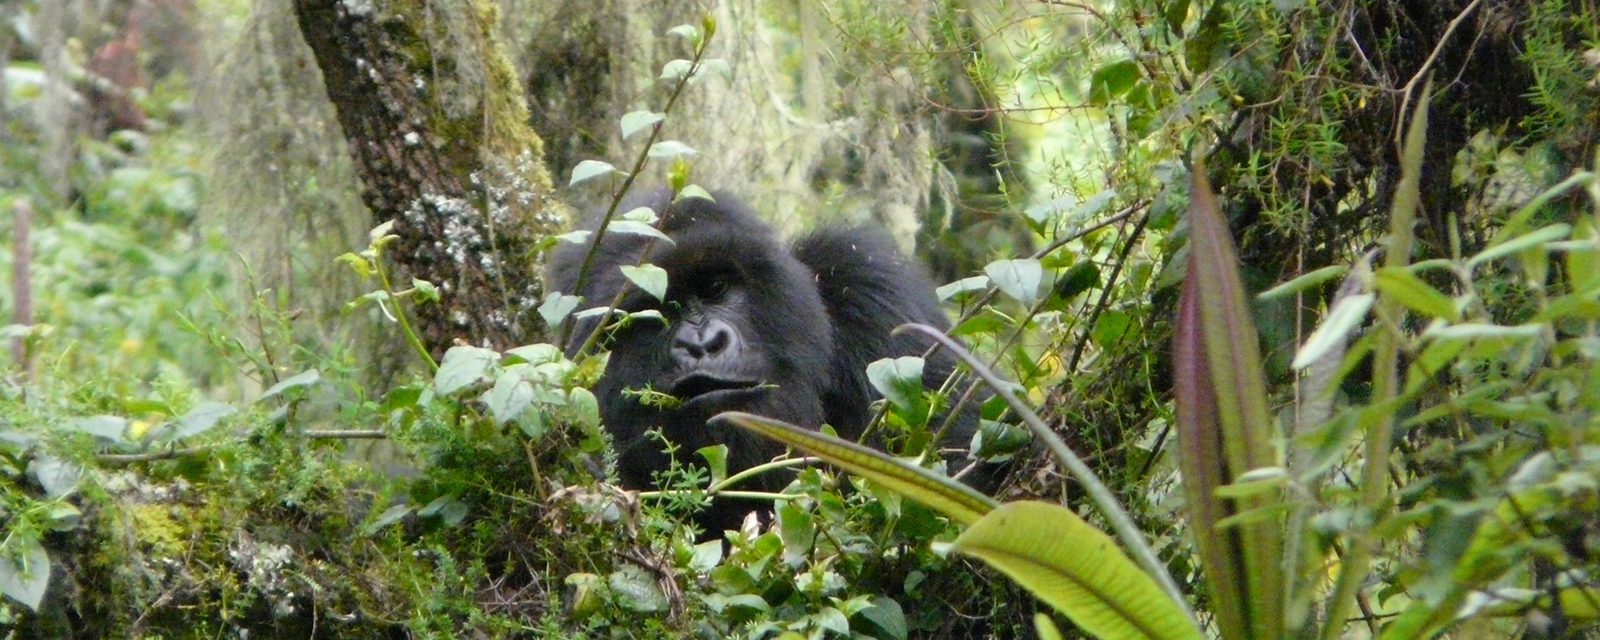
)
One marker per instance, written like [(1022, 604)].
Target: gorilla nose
[(697, 341)]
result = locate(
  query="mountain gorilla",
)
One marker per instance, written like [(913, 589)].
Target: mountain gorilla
[(785, 333)]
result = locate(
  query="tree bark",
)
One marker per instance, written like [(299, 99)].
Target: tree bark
[(438, 130)]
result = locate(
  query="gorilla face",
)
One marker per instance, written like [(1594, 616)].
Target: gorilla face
[(750, 325), (745, 329)]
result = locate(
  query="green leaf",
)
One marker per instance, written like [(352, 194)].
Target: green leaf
[(1346, 315), (899, 380), (463, 366), (389, 516), (589, 170), (685, 31), (1409, 290), (1525, 241), (105, 428), (636, 228), (706, 556), (1111, 81), (716, 457), (1045, 628), (940, 493), (56, 476), (1224, 426), (1075, 568), (1017, 278), (636, 590), (536, 353), (651, 278), (890, 620), (964, 285), (633, 121), (198, 420), (510, 395), (694, 191), (670, 149), (1305, 281), (556, 307), (575, 237), (1078, 279), (642, 215), (298, 381), (25, 578)]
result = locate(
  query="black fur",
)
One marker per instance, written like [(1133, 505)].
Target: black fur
[(804, 320)]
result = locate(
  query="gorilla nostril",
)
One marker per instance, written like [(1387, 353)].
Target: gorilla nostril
[(716, 337)]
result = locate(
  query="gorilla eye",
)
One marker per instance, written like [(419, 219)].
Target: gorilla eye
[(715, 288)]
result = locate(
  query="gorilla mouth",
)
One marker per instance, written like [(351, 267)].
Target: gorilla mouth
[(700, 388)]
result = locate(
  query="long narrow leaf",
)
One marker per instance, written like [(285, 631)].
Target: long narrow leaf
[(953, 499), (1228, 340)]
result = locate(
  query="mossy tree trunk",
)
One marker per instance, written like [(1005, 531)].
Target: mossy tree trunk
[(439, 132)]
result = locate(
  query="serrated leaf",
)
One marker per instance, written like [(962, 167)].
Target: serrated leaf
[(1345, 316), (556, 307), (634, 121), (589, 170), (1017, 278), (940, 493), (670, 149), (652, 279), (462, 367), (636, 590), (1075, 568), (26, 578), (297, 381), (631, 227)]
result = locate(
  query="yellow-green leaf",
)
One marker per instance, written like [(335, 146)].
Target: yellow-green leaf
[(953, 499), (1075, 568), (1407, 289)]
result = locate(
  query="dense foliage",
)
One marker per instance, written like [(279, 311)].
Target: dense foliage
[(1355, 391)]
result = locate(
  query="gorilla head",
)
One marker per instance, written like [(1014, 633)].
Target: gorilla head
[(784, 332)]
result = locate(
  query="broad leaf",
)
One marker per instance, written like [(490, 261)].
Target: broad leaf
[(634, 121), (463, 366), (589, 170), (1075, 568), (1017, 278), (652, 279), (298, 381), (25, 578)]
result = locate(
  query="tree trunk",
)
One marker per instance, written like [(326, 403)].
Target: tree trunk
[(438, 129)]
